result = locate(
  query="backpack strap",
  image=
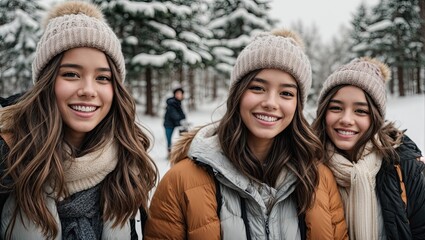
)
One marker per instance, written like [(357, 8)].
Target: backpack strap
[(303, 226), (245, 219), (402, 186), (218, 196)]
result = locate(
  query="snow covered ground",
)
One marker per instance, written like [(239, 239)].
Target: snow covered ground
[(407, 112)]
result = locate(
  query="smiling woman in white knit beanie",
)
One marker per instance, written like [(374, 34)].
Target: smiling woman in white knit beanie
[(254, 174), (376, 166), (74, 161)]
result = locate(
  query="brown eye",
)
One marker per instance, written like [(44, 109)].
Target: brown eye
[(103, 78), (334, 108), (286, 94), (256, 88), (362, 111), (69, 75)]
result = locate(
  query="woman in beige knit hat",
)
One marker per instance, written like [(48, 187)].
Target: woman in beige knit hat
[(253, 174), (376, 166), (73, 160)]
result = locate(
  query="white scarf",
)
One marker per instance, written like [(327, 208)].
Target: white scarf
[(357, 183), (89, 170)]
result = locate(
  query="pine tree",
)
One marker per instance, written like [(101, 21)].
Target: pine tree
[(407, 48), (142, 28), (392, 35), (189, 45), (359, 34), (233, 24), (19, 34)]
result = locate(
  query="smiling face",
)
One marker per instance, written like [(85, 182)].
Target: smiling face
[(347, 117), (84, 91), (268, 105)]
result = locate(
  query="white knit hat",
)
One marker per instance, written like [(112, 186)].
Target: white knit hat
[(72, 25), (279, 49), (368, 74)]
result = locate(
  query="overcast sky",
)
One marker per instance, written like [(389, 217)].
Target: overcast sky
[(328, 15)]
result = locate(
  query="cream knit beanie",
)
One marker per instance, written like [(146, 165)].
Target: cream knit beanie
[(279, 49), (366, 73), (72, 25)]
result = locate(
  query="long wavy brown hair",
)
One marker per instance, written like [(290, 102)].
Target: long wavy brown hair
[(36, 154), (295, 148), (387, 134)]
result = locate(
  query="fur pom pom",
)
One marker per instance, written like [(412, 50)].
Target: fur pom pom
[(76, 7), (385, 70), (289, 34)]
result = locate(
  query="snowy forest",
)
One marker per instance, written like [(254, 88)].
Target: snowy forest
[(194, 43)]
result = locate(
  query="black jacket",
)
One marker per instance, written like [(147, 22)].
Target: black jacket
[(400, 221), (4, 102), (4, 149), (174, 113)]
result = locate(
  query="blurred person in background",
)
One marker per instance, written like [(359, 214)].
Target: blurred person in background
[(174, 115)]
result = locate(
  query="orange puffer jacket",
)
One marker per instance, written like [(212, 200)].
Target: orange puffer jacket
[(325, 219), (184, 205)]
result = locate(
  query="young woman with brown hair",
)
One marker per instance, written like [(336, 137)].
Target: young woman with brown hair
[(375, 164), (74, 162), (254, 174)]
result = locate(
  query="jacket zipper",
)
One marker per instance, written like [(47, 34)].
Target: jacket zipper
[(267, 228)]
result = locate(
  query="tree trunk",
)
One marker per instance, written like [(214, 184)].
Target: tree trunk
[(207, 86), (191, 82), (149, 103), (418, 80), (159, 90), (392, 82), (400, 79), (214, 87), (180, 74)]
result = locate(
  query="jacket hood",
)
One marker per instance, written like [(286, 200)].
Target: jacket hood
[(181, 146), (173, 100), (202, 146)]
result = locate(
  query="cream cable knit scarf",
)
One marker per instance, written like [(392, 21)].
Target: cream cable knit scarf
[(357, 187), (89, 170)]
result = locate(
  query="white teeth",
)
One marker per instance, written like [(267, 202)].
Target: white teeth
[(83, 108), (346, 132), (266, 118)]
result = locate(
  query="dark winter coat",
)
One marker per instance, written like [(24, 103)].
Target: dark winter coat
[(4, 102), (401, 221), (174, 113)]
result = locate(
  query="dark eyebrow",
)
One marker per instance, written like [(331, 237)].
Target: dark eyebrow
[(356, 103), (260, 80), (71, 65)]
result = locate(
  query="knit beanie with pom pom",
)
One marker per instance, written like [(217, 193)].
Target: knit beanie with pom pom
[(72, 25), (279, 49), (366, 73)]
